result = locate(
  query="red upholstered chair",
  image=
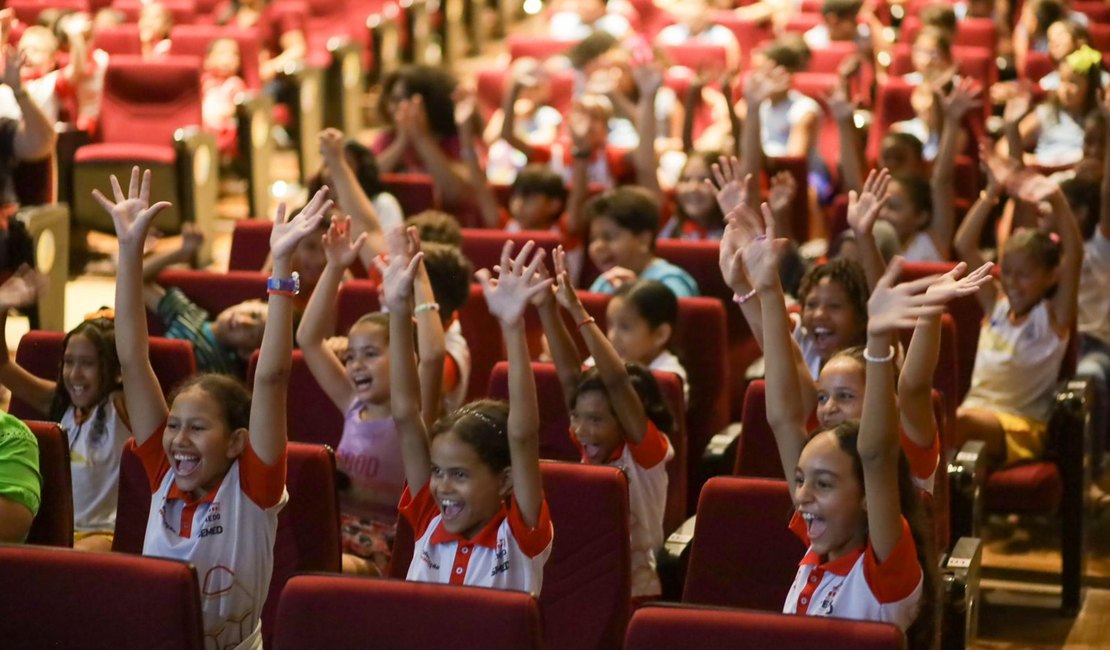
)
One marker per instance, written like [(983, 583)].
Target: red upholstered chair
[(699, 57), (491, 89), (183, 11), (970, 32), (973, 62), (743, 554), (119, 39), (355, 299), (748, 33), (27, 11), (1037, 65), (555, 437), (587, 580), (214, 292), (73, 599), (538, 47), (53, 525), (662, 627), (1100, 36), (828, 58), (308, 526), (40, 352), (757, 454), (483, 246), (250, 244), (337, 612), (801, 23), (1097, 11), (415, 192), (254, 109), (150, 116), (483, 336), (312, 416)]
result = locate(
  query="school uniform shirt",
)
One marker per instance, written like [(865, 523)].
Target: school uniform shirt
[(45, 90), (228, 535), (922, 249), (458, 353), (856, 585), (645, 467), (95, 447), (1094, 289), (1016, 365), (665, 361), (1060, 139), (505, 554)]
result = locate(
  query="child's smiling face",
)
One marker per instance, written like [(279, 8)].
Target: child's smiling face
[(198, 443), (468, 492), (81, 374), (595, 426), (830, 498)]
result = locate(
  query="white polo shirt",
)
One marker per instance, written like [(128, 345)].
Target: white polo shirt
[(95, 448), (856, 585), (228, 535), (645, 467), (505, 554)]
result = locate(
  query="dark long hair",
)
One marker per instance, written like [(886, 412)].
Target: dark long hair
[(101, 332)]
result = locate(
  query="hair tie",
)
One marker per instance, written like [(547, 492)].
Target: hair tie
[(1082, 60)]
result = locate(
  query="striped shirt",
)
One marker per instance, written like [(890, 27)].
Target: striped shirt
[(186, 321)]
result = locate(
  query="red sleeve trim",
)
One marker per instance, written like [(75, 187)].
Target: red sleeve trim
[(652, 450), (153, 457), (264, 484), (923, 460), (532, 541), (419, 510), (898, 576)]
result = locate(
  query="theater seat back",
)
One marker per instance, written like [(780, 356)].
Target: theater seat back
[(322, 611), (145, 102), (53, 525), (311, 416), (73, 599)]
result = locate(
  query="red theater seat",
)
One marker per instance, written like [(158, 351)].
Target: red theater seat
[(659, 627), (743, 554), (40, 352), (214, 292), (749, 34), (73, 599), (538, 47), (183, 11), (491, 89), (250, 244), (312, 416), (53, 525), (318, 611), (415, 192), (483, 246)]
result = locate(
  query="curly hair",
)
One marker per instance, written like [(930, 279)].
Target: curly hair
[(101, 333), (846, 273), (434, 85)]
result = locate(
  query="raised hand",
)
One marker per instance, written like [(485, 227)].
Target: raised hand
[(543, 298), (13, 62), (761, 257), (781, 194), (742, 226), (331, 145), (950, 285), (191, 239), (648, 79), (517, 282), (131, 214), (22, 288), (287, 234), (564, 292), (398, 270), (761, 84), (898, 307), (840, 105), (864, 208), (998, 169), (1017, 107), (578, 120), (730, 185), (963, 97), (466, 105), (338, 248)]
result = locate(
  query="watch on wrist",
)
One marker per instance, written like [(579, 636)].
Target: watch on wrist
[(290, 286)]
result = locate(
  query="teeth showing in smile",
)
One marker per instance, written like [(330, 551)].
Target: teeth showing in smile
[(185, 464), (450, 507), (808, 517)]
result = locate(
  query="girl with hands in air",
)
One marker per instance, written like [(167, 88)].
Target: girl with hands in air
[(215, 445), (474, 492)]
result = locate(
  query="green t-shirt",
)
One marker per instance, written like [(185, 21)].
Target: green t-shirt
[(20, 480)]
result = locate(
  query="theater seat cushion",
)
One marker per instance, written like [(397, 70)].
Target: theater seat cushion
[(1029, 487)]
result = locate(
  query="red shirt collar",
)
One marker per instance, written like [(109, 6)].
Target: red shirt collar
[(177, 493), (486, 537)]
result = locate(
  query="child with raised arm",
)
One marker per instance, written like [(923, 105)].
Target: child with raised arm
[(478, 500), (618, 417), (215, 456), (1026, 326), (369, 452), (86, 399), (856, 507)]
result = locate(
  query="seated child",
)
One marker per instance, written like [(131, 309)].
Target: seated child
[(86, 399), (623, 225), (525, 116), (155, 23), (20, 481), (694, 24), (1054, 130), (89, 65), (221, 86), (475, 472), (839, 24), (619, 418), (47, 86), (215, 445)]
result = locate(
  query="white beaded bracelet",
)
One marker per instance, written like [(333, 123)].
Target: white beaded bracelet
[(425, 306), (870, 359), (738, 299)]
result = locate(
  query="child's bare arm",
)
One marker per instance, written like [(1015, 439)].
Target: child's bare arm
[(318, 322), (1065, 304), (431, 342), (404, 395), (466, 105), (889, 309), (22, 290), (915, 382), (648, 80), (191, 240), (564, 352), (863, 211), (971, 230), (507, 297), (578, 122), (132, 215), (785, 412), (956, 104), (268, 425), (351, 197), (843, 111)]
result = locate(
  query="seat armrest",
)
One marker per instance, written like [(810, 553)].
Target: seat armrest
[(254, 112), (719, 457), (309, 111), (673, 559), (198, 165), (1070, 444), (385, 35), (967, 474), (960, 578), (48, 226), (343, 86)]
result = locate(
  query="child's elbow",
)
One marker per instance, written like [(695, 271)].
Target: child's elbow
[(272, 377)]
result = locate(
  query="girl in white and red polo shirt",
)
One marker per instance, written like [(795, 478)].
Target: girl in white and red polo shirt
[(215, 457), (618, 418), (856, 506), (478, 512)]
